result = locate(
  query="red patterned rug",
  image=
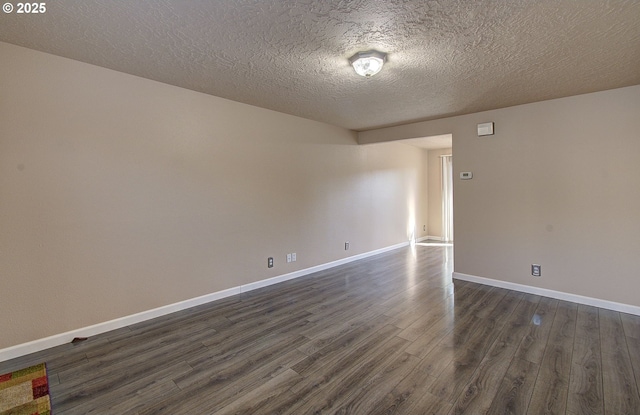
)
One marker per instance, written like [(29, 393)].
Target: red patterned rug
[(25, 392)]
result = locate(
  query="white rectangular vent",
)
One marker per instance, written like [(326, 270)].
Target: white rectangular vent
[(485, 129)]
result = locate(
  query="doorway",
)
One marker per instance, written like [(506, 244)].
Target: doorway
[(438, 227)]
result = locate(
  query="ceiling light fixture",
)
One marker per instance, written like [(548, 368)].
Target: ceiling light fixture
[(368, 63)]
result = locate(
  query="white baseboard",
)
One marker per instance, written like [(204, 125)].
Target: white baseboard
[(435, 238), (322, 267), (559, 295), (62, 338)]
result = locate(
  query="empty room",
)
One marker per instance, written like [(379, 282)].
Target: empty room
[(305, 207)]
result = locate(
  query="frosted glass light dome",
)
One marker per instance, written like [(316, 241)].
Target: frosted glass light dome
[(367, 63)]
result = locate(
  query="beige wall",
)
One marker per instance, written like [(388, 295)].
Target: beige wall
[(434, 180), (558, 184), (120, 194)]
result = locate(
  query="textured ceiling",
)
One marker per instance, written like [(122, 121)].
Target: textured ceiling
[(445, 57)]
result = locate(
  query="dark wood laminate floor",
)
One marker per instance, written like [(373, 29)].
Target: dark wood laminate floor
[(387, 335)]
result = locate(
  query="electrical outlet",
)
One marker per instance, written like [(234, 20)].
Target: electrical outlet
[(536, 270), (270, 262), (288, 257), (346, 246), (293, 257), (424, 227)]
